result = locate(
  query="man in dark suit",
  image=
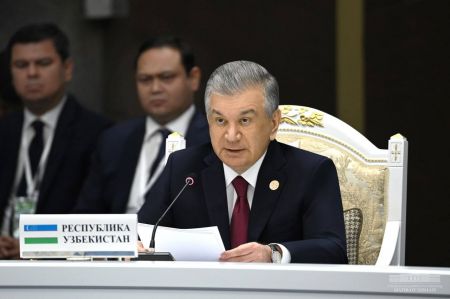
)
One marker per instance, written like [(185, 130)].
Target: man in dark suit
[(271, 202), (45, 149), (128, 161)]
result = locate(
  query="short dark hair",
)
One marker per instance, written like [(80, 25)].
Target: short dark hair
[(37, 32), (187, 56)]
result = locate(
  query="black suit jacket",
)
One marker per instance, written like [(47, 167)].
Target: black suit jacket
[(108, 186), (304, 213), (68, 162)]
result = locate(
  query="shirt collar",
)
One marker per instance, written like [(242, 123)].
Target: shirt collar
[(180, 124), (250, 175), (49, 118)]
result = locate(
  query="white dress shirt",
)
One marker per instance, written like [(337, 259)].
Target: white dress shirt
[(149, 151), (50, 120), (251, 176)]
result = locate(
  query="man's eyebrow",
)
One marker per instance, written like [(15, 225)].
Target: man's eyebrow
[(166, 73), (161, 73), (248, 111), (32, 60), (216, 112)]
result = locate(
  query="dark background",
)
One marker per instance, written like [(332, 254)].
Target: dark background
[(407, 46), (406, 62)]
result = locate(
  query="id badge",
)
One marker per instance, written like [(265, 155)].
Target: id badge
[(23, 205)]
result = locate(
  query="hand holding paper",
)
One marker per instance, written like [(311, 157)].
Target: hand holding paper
[(196, 244)]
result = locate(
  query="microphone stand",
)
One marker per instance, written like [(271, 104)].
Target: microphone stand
[(162, 256)]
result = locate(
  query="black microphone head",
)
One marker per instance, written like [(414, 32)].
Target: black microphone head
[(190, 179)]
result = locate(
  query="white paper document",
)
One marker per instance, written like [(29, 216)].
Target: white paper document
[(195, 244)]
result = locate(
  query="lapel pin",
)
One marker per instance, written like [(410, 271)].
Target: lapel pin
[(274, 185)]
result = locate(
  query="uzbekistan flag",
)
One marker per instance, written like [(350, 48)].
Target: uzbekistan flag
[(40, 228)]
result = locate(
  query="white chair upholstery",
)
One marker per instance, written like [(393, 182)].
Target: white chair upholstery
[(372, 181)]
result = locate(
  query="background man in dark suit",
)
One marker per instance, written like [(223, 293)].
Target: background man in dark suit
[(45, 149), (126, 163), (271, 202)]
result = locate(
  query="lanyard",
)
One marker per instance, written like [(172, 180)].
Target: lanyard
[(34, 182)]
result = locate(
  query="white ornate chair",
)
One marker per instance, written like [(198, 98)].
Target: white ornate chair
[(372, 181)]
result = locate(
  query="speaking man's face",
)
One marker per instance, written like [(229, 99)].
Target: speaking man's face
[(38, 74), (240, 128), (165, 90)]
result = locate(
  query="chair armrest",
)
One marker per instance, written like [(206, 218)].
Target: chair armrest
[(389, 246)]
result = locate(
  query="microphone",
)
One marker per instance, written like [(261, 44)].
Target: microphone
[(165, 256)]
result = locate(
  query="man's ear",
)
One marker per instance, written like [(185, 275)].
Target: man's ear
[(68, 69), (276, 117), (195, 76)]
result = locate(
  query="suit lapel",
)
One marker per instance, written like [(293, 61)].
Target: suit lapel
[(9, 158), (265, 199), (213, 181), (128, 163), (62, 138), (197, 132)]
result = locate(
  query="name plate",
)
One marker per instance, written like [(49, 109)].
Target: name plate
[(76, 235)]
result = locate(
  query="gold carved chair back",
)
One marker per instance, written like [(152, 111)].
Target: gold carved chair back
[(372, 181)]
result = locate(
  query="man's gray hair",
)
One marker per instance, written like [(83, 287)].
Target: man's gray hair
[(235, 77)]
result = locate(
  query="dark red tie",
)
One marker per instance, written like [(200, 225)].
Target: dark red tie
[(241, 211)]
